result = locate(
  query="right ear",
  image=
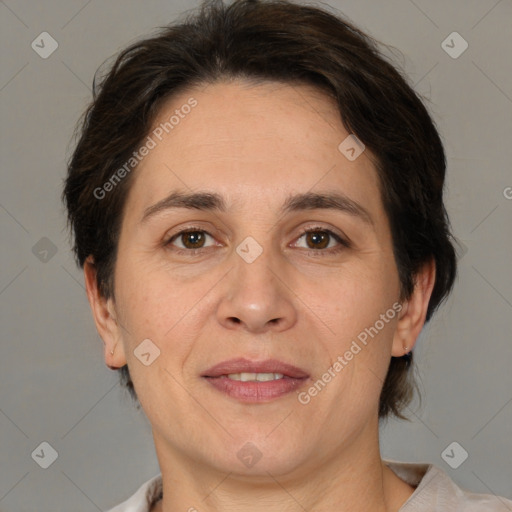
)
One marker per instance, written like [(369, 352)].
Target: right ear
[(103, 311)]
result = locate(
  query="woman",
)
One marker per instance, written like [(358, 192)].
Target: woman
[(256, 200)]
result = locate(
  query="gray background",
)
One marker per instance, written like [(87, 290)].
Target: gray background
[(54, 385)]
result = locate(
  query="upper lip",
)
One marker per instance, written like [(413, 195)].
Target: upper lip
[(242, 365)]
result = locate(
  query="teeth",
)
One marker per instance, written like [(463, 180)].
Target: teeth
[(259, 377)]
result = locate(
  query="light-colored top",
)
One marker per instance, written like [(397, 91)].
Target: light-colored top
[(434, 491)]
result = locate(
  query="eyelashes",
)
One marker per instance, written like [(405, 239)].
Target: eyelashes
[(196, 235), (331, 235), (184, 233)]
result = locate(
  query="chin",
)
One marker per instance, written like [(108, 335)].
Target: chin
[(260, 453)]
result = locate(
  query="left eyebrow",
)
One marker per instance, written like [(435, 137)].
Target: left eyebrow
[(209, 201), (327, 201)]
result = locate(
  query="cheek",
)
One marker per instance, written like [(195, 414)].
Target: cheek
[(361, 320), (156, 305), (358, 297), (156, 309), (145, 293)]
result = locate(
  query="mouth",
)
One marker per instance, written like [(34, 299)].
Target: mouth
[(253, 381)]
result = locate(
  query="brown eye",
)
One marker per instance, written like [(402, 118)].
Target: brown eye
[(317, 239), (321, 240), (189, 240), (194, 238)]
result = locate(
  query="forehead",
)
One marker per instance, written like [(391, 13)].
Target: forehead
[(251, 142)]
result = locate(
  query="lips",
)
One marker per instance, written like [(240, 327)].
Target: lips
[(242, 365), (255, 381)]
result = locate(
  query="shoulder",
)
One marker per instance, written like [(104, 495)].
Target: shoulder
[(142, 500), (436, 491)]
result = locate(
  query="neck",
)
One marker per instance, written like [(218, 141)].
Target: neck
[(353, 478)]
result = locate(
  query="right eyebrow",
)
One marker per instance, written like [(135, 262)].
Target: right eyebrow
[(206, 201)]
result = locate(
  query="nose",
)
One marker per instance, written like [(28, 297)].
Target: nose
[(257, 297)]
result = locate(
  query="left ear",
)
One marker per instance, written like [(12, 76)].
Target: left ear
[(412, 317)]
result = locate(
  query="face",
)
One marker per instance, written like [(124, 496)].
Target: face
[(248, 281)]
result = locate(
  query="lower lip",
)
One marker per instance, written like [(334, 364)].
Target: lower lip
[(255, 391)]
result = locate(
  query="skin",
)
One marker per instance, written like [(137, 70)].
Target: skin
[(255, 145)]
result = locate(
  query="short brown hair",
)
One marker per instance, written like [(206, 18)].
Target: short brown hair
[(273, 40)]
